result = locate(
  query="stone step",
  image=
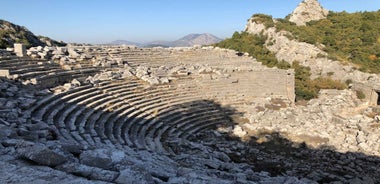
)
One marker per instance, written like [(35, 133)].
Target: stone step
[(40, 73), (32, 68), (198, 129), (181, 122), (100, 124), (87, 103), (126, 128), (46, 110), (49, 102), (18, 62), (189, 124), (97, 98), (164, 118)]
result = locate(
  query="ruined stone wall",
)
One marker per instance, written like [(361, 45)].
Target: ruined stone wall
[(247, 86)]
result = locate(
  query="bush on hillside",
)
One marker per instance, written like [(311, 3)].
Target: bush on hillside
[(348, 37)]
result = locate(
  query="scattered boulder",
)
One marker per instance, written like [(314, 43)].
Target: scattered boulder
[(41, 155), (134, 175), (101, 158), (92, 173), (5, 131)]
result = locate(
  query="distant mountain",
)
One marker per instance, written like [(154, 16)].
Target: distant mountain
[(186, 41), (124, 42), (196, 39), (158, 43), (11, 33)]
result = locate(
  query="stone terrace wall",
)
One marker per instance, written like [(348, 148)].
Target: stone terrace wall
[(248, 86)]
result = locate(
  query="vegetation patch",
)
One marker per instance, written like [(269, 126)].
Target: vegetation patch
[(360, 94), (348, 37)]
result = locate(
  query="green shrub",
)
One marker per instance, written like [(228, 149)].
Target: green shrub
[(330, 74), (360, 94), (328, 83), (267, 20), (348, 82)]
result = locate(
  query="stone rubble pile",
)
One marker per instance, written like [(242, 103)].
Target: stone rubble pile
[(334, 120), (40, 52), (14, 123), (155, 75), (67, 86), (165, 74), (58, 53), (121, 73)]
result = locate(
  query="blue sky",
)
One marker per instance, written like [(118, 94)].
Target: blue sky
[(102, 21)]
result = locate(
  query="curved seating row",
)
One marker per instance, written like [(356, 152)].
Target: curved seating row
[(128, 113)]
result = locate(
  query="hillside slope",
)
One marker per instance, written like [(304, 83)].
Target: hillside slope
[(340, 47), (11, 33)]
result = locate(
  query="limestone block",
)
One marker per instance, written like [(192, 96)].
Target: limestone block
[(20, 49), (4, 73)]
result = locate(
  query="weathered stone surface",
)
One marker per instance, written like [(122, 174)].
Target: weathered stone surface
[(286, 180), (4, 73), (20, 49), (5, 131), (41, 155), (134, 175), (101, 158), (238, 131), (22, 174), (73, 53), (96, 158), (306, 11), (93, 173), (73, 148), (25, 103)]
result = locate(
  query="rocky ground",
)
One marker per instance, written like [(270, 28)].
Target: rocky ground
[(337, 119), (335, 136), (298, 144), (332, 139)]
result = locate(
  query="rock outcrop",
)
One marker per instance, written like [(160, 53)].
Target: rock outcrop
[(308, 10), (309, 55)]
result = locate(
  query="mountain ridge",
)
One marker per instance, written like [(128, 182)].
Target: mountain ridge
[(186, 41)]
